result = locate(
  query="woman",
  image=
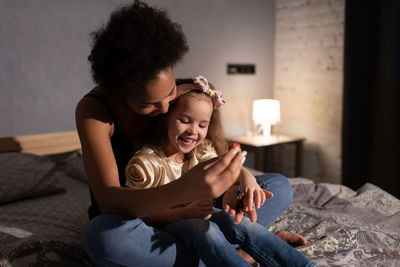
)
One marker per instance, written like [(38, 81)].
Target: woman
[(132, 62)]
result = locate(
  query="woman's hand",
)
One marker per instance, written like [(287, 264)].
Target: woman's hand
[(210, 179), (254, 197), (229, 203), (199, 209)]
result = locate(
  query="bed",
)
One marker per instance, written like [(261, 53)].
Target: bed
[(44, 198)]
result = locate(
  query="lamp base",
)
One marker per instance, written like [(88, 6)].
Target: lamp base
[(266, 130)]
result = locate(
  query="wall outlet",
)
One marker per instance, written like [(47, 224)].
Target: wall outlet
[(241, 68)]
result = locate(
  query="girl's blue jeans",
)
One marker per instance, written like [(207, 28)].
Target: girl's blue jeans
[(113, 240)]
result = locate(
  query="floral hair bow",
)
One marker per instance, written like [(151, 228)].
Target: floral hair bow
[(201, 83)]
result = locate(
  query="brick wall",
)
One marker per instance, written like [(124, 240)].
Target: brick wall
[(308, 81)]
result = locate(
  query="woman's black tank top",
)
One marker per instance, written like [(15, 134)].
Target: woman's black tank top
[(122, 148)]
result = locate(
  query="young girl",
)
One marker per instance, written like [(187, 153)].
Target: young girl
[(191, 133)]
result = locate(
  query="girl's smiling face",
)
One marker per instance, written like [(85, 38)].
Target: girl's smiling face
[(188, 122)]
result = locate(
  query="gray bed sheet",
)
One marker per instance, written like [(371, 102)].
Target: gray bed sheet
[(45, 231), (343, 227)]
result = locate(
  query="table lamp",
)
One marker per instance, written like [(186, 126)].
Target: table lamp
[(266, 112)]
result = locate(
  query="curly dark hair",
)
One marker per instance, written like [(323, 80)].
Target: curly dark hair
[(136, 44)]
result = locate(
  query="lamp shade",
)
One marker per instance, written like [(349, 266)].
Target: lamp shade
[(266, 111)]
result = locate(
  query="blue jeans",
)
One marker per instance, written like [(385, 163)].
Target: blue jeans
[(213, 239), (113, 240)]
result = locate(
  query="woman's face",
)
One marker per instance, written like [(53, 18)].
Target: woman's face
[(188, 122), (157, 95)]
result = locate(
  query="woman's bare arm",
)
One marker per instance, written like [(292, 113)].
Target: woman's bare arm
[(207, 180), (197, 209)]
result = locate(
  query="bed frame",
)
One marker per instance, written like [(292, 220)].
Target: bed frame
[(41, 144)]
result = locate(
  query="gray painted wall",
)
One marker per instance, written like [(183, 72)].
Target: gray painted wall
[(44, 46)]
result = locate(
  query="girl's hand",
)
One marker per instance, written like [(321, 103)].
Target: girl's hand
[(199, 209), (254, 197), (210, 179)]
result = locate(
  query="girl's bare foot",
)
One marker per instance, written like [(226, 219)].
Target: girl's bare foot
[(245, 256), (292, 239)]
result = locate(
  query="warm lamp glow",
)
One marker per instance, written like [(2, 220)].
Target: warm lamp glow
[(266, 112)]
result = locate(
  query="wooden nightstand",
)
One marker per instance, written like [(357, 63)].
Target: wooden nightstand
[(259, 144)]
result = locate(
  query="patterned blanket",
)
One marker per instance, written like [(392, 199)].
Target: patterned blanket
[(344, 227)]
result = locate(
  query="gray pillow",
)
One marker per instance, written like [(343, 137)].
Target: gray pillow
[(72, 164), (24, 175)]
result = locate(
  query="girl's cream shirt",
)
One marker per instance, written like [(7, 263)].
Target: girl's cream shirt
[(149, 167)]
